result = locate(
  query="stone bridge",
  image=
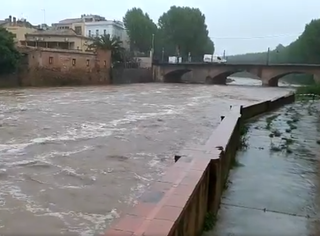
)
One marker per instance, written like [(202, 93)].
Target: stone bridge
[(218, 73)]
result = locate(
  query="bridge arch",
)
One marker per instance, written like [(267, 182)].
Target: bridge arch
[(175, 76), (274, 80), (222, 78)]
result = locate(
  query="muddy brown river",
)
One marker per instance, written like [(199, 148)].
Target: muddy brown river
[(71, 159)]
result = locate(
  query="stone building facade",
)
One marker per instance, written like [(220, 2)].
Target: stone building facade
[(52, 67)]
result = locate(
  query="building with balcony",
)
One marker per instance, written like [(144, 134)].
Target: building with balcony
[(18, 27), (94, 25), (66, 39), (77, 24)]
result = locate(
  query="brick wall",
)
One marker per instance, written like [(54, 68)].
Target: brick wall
[(50, 67)]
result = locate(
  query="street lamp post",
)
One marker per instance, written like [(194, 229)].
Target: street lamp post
[(44, 16), (268, 56)]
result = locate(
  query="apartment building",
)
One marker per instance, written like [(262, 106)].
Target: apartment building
[(18, 27), (113, 28), (94, 25), (77, 24)]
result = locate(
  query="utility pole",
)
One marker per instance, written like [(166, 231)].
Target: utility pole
[(224, 54), (152, 45), (268, 56), (44, 15), (162, 55)]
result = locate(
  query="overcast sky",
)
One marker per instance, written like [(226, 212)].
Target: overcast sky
[(237, 26)]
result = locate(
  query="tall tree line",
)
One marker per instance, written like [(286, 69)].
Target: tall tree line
[(179, 31), (304, 50)]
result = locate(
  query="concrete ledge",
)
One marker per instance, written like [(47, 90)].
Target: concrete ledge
[(178, 203), (166, 206), (255, 109)]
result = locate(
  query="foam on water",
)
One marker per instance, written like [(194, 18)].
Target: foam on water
[(83, 131), (13, 149), (44, 158), (88, 220)]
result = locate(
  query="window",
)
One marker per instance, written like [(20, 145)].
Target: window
[(88, 61), (73, 62), (50, 60), (105, 32), (89, 33), (97, 33), (78, 30), (15, 36)]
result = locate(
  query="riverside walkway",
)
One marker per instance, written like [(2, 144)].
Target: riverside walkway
[(274, 188)]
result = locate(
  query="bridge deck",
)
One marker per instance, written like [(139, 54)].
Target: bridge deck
[(237, 64), (273, 193)]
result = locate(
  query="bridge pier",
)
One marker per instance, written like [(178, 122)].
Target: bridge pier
[(220, 79), (316, 78), (270, 82)]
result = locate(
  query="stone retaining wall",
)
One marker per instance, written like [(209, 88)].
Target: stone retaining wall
[(177, 204), (131, 75)]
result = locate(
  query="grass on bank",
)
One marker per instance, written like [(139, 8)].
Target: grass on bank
[(312, 90), (270, 119), (209, 221), (243, 136)]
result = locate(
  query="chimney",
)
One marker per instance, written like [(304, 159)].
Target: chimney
[(10, 19), (14, 21)]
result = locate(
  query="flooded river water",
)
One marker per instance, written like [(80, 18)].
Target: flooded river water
[(72, 158)]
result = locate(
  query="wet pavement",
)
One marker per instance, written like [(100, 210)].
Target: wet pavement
[(274, 189), (71, 159)]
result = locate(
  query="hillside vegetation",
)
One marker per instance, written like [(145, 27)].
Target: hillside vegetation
[(304, 50)]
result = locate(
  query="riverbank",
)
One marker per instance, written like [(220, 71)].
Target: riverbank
[(274, 187), (47, 78)]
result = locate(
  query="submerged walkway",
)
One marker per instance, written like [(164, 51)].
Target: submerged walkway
[(275, 188)]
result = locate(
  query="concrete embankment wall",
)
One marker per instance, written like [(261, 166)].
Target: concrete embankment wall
[(45, 77), (131, 75), (11, 80), (178, 203)]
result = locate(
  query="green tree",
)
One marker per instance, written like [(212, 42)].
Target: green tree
[(183, 29), (140, 29), (105, 42), (307, 47), (209, 47), (9, 56)]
